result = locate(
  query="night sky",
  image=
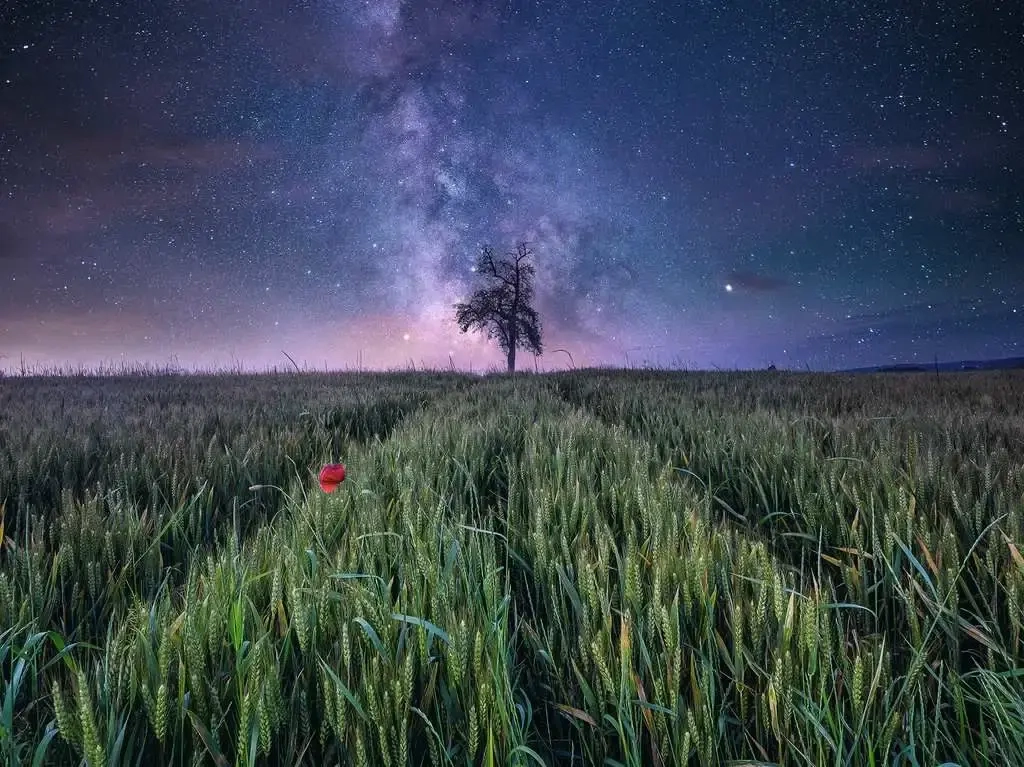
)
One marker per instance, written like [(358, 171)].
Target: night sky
[(212, 183)]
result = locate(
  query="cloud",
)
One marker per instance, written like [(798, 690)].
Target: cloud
[(915, 332), (890, 158), (949, 198), (98, 181), (755, 282), (960, 150)]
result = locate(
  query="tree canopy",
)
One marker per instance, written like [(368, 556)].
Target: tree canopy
[(503, 305)]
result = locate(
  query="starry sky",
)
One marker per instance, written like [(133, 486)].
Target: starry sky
[(704, 184)]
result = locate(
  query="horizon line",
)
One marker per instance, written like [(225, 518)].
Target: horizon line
[(136, 369)]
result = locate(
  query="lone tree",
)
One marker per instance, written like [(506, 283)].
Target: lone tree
[(502, 306)]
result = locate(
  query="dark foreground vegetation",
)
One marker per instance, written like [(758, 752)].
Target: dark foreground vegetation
[(583, 568)]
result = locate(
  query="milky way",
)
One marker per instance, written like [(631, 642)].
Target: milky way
[(216, 184)]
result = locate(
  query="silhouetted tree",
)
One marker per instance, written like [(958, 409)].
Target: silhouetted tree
[(503, 305)]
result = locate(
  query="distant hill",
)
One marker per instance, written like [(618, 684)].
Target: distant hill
[(1007, 363)]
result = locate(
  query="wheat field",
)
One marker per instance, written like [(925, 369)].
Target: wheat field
[(590, 567)]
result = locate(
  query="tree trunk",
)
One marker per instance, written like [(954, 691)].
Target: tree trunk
[(513, 342)]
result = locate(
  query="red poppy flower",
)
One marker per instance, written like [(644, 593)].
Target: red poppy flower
[(331, 475)]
